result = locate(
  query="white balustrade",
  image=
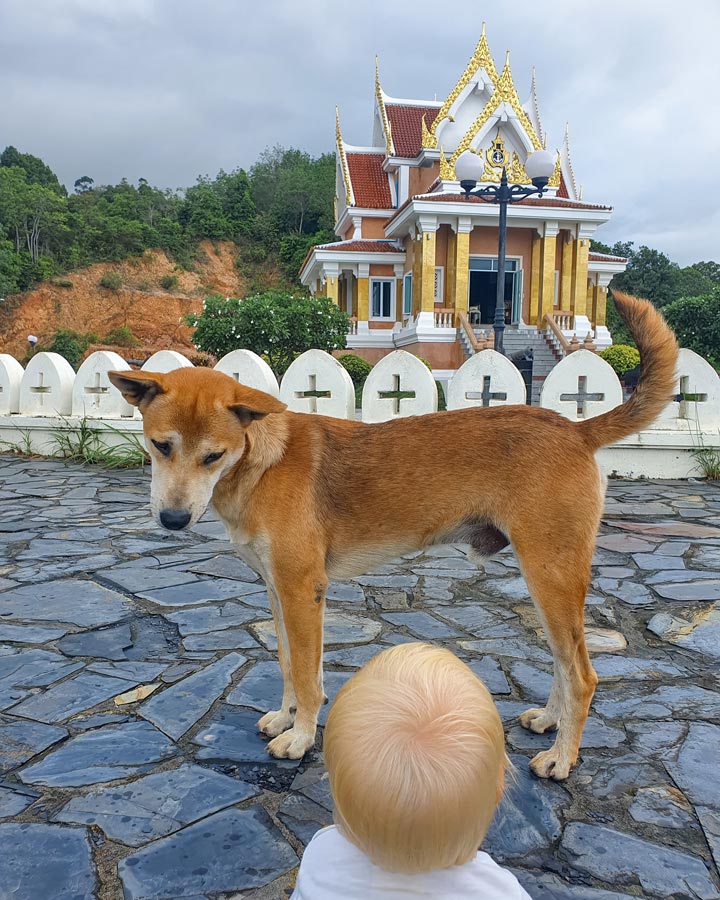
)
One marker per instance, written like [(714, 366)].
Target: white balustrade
[(399, 385), (46, 386), (249, 369), (93, 396), (486, 379), (696, 402), (316, 383), (166, 361), (581, 385), (11, 373)]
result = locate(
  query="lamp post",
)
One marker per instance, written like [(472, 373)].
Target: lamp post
[(469, 169)]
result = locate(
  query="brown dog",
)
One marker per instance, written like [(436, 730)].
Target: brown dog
[(308, 498)]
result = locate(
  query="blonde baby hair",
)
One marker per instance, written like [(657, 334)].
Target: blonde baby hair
[(415, 751)]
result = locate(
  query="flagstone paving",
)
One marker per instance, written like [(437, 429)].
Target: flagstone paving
[(175, 798)]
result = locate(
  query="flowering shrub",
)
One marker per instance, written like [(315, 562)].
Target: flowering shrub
[(274, 324)]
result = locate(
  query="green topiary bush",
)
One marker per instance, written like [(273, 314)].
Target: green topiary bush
[(112, 281), (356, 367), (621, 357)]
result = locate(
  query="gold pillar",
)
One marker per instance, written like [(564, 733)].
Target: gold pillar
[(417, 275), (462, 271), (399, 285), (363, 299), (590, 302), (450, 270), (332, 288), (547, 276), (580, 276), (427, 293), (599, 305), (534, 310), (566, 272)]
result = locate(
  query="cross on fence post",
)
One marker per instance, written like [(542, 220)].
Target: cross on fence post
[(313, 393), (41, 388), (396, 394), (486, 395), (582, 396), (684, 397), (97, 390)]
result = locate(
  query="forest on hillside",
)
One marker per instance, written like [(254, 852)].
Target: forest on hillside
[(278, 209)]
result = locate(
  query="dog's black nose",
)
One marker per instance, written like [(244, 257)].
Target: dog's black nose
[(174, 519)]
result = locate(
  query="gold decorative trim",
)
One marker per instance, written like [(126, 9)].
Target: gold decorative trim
[(508, 92), (447, 170), (389, 148), (340, 147), (536, 108), (555, 177), (569, 160), (428, 141)]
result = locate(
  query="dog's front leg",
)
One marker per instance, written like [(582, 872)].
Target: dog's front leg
[(276, 721), (302, 599)]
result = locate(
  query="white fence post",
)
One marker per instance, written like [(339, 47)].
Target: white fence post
[(316, 383), (581, 386), (486, 379), (251, 370), (399, 385), (46, 386), (696, 404), (11, 373), (93, 395), (165, 361)]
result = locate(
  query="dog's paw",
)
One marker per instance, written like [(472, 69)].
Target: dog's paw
[(275, 722), (538, 720), (293, 744), (551, 764)]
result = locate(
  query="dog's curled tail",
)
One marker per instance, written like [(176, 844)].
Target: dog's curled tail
[(658, 356)]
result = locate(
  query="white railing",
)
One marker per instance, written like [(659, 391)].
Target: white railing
[(48, 395), (444, 318)]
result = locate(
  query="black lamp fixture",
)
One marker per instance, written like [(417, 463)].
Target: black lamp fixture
[(469, 169)]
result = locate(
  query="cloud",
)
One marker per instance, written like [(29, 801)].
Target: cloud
[(169, 89)]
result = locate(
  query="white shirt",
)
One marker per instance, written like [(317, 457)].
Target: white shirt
[(334, 869)]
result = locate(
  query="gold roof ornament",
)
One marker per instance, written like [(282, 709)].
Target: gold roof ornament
[(340, 147), (481, 59), (536, 108), (389, 148), (508, 93), (569, 161), (557, 173), (427, 139), (447, 171)]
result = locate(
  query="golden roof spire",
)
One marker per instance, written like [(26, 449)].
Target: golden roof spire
[(340, 147), (389, 148), (536, 108), (569, 161)]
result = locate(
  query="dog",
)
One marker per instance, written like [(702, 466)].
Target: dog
[(307, 498)]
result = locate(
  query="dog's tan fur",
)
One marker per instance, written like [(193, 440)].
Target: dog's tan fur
[(309, 498)]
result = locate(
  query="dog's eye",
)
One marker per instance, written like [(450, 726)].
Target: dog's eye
[(213, 457), (162, 447)]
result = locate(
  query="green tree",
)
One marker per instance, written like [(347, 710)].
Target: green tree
[(84, 183), (696, 323), (202, 214), (36, 171), (274, 324), (649, 274)]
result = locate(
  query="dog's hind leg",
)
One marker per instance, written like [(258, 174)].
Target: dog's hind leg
[(276, 721), (558, 582), (302, 597)]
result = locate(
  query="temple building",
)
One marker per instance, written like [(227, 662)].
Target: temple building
[(416, 262)]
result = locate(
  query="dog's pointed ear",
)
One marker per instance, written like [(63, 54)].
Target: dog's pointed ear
[(258, 407), (137, 387)]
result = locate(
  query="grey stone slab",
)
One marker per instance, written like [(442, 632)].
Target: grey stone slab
[(34, 668), (389, 582), (651, 561), (20, 741), (678, 701), (77, 601), (227, 639), (516, 649), (155, 805), (674, 548), (710, 822), (618, 667), (303, 817), (616, 776), (178, 708), (231, 735), (707, 556), (422, 624), (692, 591), (338, 628), (231, 851), (204, 591), (513, 588), (345, 591), (48, 572), (435, 589), (154, 638), (662, 805), (136, 672), (533, 682), (625, 543), (104, 643), (475, 617), (691, 768), (680, 576), (628, 591), (314, 782), (70, 697), (596, 734), (204, 619), (137, 579), (85, 723), (655, 739), (88, 534), (457, 563), (550, 887), (226, 567), (103, 754), (528, 818), (42, 549), (491, 674), (44, 861), (178, 671), (29, 634), (13, 802), (699, 632), (616, 858), (353, 657)]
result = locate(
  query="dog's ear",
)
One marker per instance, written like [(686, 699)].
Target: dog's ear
[(258, 407), (137, 387)]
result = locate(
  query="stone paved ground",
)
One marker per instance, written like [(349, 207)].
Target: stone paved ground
[(173, 796)]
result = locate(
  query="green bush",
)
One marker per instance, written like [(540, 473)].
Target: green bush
[(696, 323), (356, 367), (112, 281), (169, 282), (63, 284), (621, 357), (70, 344), (121, 337)]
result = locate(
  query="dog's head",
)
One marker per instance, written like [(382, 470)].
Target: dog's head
[(196, 423)]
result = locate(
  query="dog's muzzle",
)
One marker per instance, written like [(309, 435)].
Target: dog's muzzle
[(174, 519)]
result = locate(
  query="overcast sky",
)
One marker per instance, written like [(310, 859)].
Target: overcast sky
[(170, 89)]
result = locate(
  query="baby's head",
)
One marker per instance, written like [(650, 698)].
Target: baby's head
[(415, 752)]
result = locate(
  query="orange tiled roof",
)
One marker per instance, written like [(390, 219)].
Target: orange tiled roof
[(606, 257), (369, 182), (406, 126), (364, 247), (531, 201)]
